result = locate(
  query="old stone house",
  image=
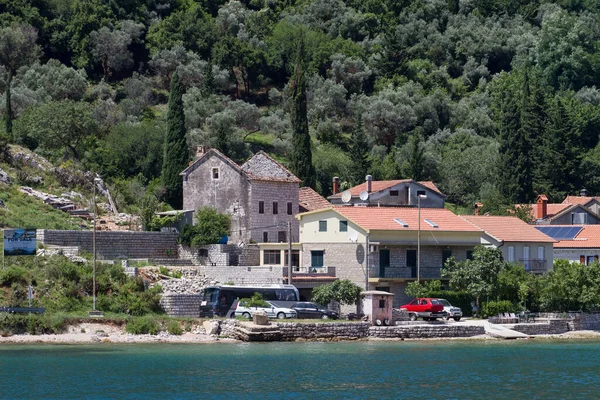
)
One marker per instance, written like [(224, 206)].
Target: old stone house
[(261, 195)]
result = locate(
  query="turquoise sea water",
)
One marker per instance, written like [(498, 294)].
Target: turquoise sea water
[(531, 369)]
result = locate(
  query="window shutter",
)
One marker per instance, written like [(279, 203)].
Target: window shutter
[(582, 259)]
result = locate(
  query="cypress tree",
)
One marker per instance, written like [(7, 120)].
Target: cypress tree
[(359, 152), (176, 153), (301, 155), (9, 116), (209, 81), (509, 147), (416, 162), (222, 143)]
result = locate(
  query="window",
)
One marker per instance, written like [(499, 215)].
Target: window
[(343, 226), (265, 237), (261, 207), (295, 258), (411, 258), (281, 237), (420, 193), (469, 254), (272, 257), (541, 253), (215, 174), (393, 193), (511, 254), (322, 226), (581, 259), (381, 303), (446, 254), (590, 259), (316, 258), (275, 207), (290, 211)]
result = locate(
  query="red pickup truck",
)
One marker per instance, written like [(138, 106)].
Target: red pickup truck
[(426, 308)]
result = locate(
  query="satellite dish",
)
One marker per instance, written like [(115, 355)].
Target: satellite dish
[(346, 196), (364, 195), (353, 236)]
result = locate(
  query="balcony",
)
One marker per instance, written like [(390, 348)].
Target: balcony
[(533, 264), (405, 273), (311, 272)]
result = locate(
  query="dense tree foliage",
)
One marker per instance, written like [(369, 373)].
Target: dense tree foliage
[(494, 100)]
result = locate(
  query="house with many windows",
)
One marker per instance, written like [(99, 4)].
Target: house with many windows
[(383, 248), (261, 195), (519, 242)]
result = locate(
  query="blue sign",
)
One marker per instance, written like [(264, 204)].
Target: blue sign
[(19, 242)]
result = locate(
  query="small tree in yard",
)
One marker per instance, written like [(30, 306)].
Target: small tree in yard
[(210, 227), (342, 291)]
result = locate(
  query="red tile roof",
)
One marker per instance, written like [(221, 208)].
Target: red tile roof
[(551, 209), (587, 238), (311, 200), (508, 229), (383, 218), (378, 186), (583, 200)]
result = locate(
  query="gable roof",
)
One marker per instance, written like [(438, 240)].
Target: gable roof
[(311, 200), (551, 209), (573, 207), (587, 238), (262, 167), (378, 186), (583, 200), (210, 153), (384, 219), (508, 229)]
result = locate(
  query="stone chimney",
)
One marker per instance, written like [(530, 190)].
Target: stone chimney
[(583, 192), (336, 185), (542, 206), (201, 150), (369, 180)]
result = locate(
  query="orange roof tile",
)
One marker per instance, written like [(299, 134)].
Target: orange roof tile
[(383, 218), (588, 237), (311, 200), (583, 200), (551, 209), (378, 186), (508, 229)]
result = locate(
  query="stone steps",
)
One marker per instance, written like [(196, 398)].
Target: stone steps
[(256, 333)]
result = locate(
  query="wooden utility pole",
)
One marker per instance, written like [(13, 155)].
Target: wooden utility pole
[(290, 252)]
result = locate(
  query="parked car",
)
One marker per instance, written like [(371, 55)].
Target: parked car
[(451, 311), (306, 309), (426, 308), (272, 311)]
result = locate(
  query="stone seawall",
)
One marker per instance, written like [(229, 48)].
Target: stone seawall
[(552, 327), (111, 245), (181, 305), (425, 331), (291, 331)]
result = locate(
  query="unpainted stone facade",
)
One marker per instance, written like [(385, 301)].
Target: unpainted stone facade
[(216, 181)]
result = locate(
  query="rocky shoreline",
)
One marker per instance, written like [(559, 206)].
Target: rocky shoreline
[(95, 333)]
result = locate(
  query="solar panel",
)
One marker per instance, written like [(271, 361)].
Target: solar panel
[(560, 232)]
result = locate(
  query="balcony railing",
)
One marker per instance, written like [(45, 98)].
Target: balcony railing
[(310, 271), (533, 264), (405, 272)]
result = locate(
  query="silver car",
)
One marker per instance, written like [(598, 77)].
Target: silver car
[(451, 311), (273, 311)]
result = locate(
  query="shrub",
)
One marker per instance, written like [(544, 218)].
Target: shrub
[(256, 300), (13, 275), (492, 308), (141, 326), (174, 328)]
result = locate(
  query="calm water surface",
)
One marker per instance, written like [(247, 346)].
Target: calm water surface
[(532, 369)]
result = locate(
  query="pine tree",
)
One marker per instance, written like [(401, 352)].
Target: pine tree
[(359, 152), (416, 159), (176, 151), (301, 155)]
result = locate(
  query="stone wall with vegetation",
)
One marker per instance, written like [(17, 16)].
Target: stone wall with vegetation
[(112, 245)]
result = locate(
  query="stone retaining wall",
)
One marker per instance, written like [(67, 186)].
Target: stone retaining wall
[(425, 331), (222, 255), (112, 245), (181, 305), (255, 275), (291, 331)]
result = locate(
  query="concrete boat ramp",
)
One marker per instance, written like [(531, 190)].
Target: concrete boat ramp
[(503, 332)]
